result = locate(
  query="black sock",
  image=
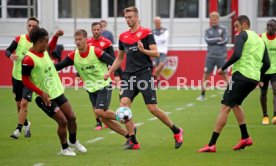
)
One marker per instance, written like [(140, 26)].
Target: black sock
[(265, 115), (244, 133), (26, 122), (133, 139), (98, 121), (72, 138), (127, 136), (64, 146), (19, 127), (175, 129), (203, 93), (214, 139), (274, 113)]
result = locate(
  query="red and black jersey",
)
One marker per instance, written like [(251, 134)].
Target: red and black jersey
[(135, 60), (102, 43)]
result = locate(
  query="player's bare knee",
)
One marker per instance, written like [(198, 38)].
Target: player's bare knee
[(152, 108), (24, 104)]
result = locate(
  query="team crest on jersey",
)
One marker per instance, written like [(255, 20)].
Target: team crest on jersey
[(102, 44), (170, 67), (139, 34)]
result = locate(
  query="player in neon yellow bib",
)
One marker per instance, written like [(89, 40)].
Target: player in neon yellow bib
[(91, 64), (250, 59), (39, 75), (269, 38)]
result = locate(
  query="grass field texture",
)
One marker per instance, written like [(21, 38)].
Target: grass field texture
[(157, 143)]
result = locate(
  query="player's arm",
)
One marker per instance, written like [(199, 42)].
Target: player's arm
[(10, 50), (68, 61), (266, 62), (106, 58), (239, 43), (211, 40), (116, 64), (152, 52), (111, 52), (27, 67), (53, 42), (224, 37)]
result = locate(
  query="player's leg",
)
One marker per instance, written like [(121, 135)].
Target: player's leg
[(92, 98), (160, 66), (243, 90), (273, 83), (22, 97), (144, 84), (263, 99), (103, 99), (128, 92), (67, 110), (209, 66), (55, 113)]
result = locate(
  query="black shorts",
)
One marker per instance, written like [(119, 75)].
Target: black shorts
[(21, 91), (55, 104), (101, 98), (266, 79), (143, 82), (237, 90)]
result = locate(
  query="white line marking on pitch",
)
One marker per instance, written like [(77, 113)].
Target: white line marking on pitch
[(38, 164), (139, 124), (190, 104), (213, 96), (94, 140), (179, 108), (168, 113), (112, 132), (152, 119)]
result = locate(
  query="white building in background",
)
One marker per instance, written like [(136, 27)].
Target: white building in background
[(186, 19)]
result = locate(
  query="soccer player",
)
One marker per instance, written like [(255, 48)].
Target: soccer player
[(250, 60), (16, 52), (91, 64), (161, 36), (106, 45), (139, 45), (216, 38), (39, 75), (269, 38)]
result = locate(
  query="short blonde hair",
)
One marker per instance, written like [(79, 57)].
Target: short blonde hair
[(214, 14), (131, 9)]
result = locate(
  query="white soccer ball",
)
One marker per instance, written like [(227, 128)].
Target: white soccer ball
[(123, 114)]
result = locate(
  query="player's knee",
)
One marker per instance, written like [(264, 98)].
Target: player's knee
[(99, 112), (152, 108), (24, 104), (63, 122)]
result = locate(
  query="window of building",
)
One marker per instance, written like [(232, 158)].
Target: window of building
[(266, 8), (79, 8), (0, 9), (21, 8), (186, 8), (224, 7), (163, 8), (122, 4)]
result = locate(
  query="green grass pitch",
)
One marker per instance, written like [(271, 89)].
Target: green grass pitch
[(157, 143)]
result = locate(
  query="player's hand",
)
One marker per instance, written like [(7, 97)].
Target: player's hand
[(220, 71), (117, 80), (261, 84), (13, 57), (59, 32), (106, 75), (46, 99), (140, 46)]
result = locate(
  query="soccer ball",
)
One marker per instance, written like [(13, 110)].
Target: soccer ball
[(123, 114)]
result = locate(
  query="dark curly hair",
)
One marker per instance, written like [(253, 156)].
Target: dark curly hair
[(37, 34)]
